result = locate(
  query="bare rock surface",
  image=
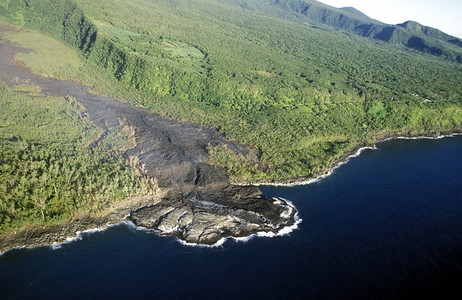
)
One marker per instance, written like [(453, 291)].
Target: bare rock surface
[(200, 204)]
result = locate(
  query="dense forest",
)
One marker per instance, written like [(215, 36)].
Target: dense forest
[(410, 34), (303, 92), (48, 173)]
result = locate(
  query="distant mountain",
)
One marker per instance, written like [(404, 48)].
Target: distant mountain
[(354, 11), (409, 34)]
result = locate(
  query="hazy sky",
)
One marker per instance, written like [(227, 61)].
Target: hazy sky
[(445, 15)]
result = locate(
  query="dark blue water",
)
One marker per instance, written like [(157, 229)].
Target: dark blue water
[(386, 225)]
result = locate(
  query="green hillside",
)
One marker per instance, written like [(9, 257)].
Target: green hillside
[(266, 73), (410, 34)]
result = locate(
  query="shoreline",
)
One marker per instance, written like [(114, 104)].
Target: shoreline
[(355, 152), (55, 237), (200, 204), (59, 234), (79, 234), (242, 239)]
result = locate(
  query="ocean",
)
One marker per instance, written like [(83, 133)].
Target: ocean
[(385, 225)]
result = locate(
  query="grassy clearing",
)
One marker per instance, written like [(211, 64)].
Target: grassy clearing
[(115, 32), (49, 56), (183, 50)]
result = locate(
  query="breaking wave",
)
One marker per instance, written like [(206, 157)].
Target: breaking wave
[(267, 234), (313, 180), (356, 154)]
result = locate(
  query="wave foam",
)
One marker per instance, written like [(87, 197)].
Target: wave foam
[(360, 150), (79, 235), (267, 234), (284, 231), (313, 180), (423, 137), (15, 248)]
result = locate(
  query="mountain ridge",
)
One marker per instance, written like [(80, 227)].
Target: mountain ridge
[(409, 34)]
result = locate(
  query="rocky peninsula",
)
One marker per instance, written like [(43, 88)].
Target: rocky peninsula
[(197, 202)]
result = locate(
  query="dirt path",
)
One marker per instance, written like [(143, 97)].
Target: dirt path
[(201, 205)]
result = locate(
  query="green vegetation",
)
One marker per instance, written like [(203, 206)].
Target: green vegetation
[(304, 95), (239, 168), (47, 174), (49, 58), (411, 35)]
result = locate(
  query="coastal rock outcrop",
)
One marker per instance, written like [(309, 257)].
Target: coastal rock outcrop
[(200, 204), (206, 218)]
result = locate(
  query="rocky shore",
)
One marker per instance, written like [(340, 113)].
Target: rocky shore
[(195, 200), (198, 203)]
